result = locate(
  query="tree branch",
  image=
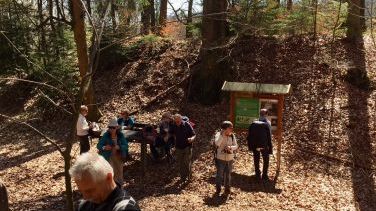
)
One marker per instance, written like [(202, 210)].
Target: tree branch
[(53, 102), (48, 139)]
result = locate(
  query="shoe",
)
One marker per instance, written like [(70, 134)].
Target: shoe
[(265, 177), (258, 176), (227, 191)]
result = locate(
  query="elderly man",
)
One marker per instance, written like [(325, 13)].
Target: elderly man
[(184, 136), (260, 142), (83, 128), (94, 178)]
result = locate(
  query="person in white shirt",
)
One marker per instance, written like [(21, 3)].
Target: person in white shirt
[(226, 144), (83, 128)]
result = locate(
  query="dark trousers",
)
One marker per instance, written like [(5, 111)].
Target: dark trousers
[(84, 144), (159, 145), (256, 160)]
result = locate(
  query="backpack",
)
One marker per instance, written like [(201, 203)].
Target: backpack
[(186, 119)]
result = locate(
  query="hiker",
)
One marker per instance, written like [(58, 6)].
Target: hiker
[(260, 142), (164, 141), (226, 144), (184, 136), (83, 128), (113, 146), (125, 121), (94, 177)]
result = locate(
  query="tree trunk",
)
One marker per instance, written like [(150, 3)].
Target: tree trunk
[(4, 205), (208, 80), (145, 19), (189, 18), (113, 16), (289, 5), (152, 16), (42, 42), (68, 181), (163, 14), (88, 4), (83, 59), (354, 23)]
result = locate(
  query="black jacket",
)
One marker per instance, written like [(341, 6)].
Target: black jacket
[(118, 200), (259, 136)]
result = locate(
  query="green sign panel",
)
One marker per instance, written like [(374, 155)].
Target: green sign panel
[(246, 110)]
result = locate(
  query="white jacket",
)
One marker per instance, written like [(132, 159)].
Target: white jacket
[(223, 141), (82, 126)]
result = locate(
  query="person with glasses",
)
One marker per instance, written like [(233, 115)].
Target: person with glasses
[(226, 144), (113, 146)]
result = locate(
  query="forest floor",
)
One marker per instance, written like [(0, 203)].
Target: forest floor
[(329, 138)]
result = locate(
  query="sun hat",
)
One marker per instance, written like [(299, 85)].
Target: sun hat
[(113, 123)]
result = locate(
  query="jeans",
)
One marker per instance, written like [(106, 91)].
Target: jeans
[(184, 160), (256, 160), (224, 169)]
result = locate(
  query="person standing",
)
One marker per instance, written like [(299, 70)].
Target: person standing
[(260, 142), (226, 144), (184, 137), (83, 128), (94, 177), (113, 146)]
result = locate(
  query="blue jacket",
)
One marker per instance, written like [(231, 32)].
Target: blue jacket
[(126, 122), (106, 140)]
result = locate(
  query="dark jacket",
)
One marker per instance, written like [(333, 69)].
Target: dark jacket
[(182, 133), (118, 200), (259, 136)]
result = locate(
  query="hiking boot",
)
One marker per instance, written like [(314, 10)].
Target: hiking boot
[(227, 191)]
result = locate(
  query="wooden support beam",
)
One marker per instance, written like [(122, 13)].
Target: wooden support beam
[(279, 132)]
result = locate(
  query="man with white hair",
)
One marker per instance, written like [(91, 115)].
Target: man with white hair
[(94, 178), (184, 137)]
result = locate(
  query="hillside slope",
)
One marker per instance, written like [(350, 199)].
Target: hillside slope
[(328, 152)]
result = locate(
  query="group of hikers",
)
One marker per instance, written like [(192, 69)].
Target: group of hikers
[(99, 176)]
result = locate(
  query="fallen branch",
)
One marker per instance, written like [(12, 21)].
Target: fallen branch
[(48, 139), (53, 102)]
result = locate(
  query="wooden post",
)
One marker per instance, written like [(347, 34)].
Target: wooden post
[(4, 205), (232, 107), (279, 131)]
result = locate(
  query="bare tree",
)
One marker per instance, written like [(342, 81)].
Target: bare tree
[(78, 14)]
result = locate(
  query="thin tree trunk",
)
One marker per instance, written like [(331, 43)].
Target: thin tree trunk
[(189, 18), (88, 4), (43, 42), (113, 16), (82, 54), (4, 204), (152, 16)]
